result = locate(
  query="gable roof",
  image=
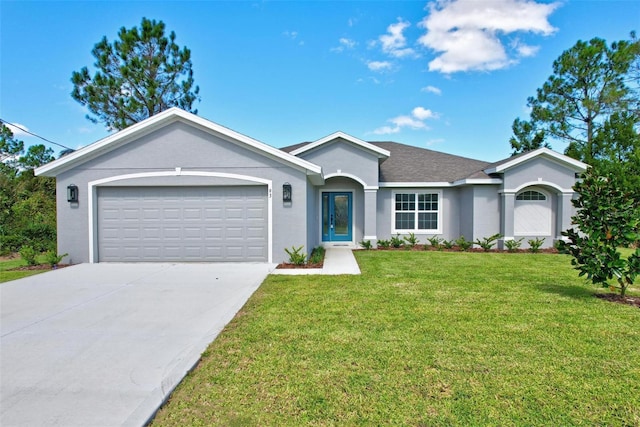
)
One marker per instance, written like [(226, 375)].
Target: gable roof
[(510, 162), (163, 119), (302, 148)]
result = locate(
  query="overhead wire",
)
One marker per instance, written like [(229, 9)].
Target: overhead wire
[(36, 135)]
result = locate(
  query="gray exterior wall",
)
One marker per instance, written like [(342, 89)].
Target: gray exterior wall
[(345, 158), (179, 145), (555, 179), (350, 168)]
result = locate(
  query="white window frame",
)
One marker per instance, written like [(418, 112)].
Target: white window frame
[(416, 230)]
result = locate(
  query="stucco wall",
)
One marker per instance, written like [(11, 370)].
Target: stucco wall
[(341, 157), (182, 146)]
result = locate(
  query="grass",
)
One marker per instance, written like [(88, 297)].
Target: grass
[(422, 339), (7, 264)]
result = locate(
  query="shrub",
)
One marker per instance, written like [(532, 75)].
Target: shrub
[(411, 240), (52, 258), (384, 244), (28, 254), (513, 245), (434, 241), (608, 217), (463, 244), (296, 256), (487, 243), (535, 244), (396, 241), (448, 244), (317, 255), (366, 244)]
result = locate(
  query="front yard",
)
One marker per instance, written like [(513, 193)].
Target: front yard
[(421, 338)]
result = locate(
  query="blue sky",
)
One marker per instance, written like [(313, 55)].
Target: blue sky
[(445, 75)]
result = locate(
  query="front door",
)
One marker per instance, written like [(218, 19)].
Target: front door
[(336, 217)]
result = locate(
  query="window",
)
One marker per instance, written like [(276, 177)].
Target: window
[(416, 212), (531, 195)]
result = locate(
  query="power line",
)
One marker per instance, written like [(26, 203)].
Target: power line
[(33, 134)]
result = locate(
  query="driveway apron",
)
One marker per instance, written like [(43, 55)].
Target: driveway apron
[(104, 344)]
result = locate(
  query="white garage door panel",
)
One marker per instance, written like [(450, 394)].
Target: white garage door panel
[(182, 224), (532, 218)]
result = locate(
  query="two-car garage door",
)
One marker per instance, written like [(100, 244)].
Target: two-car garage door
[(153, 224)]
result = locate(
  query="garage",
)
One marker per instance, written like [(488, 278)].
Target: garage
[(182, 224)]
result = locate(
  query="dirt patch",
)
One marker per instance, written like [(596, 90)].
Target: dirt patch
[(286, 265), (634, 301), (457, 249), (37, 267)]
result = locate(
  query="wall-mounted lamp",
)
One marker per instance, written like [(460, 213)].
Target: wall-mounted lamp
[(72, 193), (286, 192)]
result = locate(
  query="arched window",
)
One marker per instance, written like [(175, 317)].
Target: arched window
[(531, 195)]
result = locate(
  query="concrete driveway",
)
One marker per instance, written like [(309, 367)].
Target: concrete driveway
[(104, 344)]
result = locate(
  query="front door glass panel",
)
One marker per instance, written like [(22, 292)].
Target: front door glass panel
[(336, 217)]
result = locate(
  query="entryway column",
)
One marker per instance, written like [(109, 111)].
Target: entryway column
[(565, 210), (370, 214), (506, 216)]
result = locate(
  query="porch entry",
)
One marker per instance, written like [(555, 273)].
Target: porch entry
[(337, 212)]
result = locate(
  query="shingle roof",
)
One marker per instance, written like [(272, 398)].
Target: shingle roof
[(414, 164)]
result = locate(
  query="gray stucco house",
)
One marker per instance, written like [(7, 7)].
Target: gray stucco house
[(177, 187)]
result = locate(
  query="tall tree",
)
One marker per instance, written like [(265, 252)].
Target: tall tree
[(139, 75), (10, 148), (526, 137), (589, 83)]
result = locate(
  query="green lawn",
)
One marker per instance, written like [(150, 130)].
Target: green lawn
[(6, 264), (422, 339)]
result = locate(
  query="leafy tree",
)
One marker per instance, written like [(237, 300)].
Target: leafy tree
[(37, 155), (27, 203), (589, 83), (620, 155), (526, 137), (607, 218), (139, 75), (10, 148)]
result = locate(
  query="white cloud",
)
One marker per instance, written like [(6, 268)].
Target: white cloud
[(15, 129), (524, 50), (379, 65), (345, 44), (416, 121), (395, 43), (290, 34), (421, 113), (293, 35), (431, 89), (465, 33)]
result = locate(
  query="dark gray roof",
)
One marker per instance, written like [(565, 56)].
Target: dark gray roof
[(413, 164)]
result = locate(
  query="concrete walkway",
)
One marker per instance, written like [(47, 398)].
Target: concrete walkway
[(337, 260)]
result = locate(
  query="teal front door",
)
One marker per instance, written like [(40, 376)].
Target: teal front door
[(336, 217)]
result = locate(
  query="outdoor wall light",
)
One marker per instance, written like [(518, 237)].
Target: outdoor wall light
[(286, 192), (72, 193)]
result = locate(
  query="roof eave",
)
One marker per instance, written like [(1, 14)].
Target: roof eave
[(154, 122), (574, 164), (380, 152)]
